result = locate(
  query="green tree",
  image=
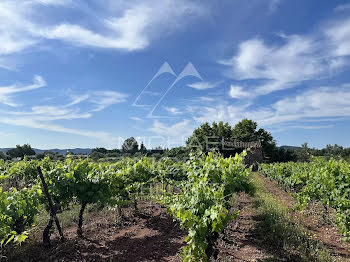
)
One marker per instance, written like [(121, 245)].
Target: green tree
[(303, 154), (205, 136), (143, 149), (130, 145), (101, 150), (2, 155), (246, 131), (180, 152), (95, 155), (21, 151)]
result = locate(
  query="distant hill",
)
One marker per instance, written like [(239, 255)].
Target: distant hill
[(290, 147), (82, 151)]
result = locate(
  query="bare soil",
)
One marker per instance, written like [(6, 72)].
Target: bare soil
[(152, 235), (312, 219)]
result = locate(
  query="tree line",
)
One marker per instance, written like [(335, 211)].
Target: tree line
[(205, 137)]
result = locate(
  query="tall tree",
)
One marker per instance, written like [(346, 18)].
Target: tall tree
[(204, 136), (101, 150), (130, 145), (21, 151), (143, 149), (246, 131)]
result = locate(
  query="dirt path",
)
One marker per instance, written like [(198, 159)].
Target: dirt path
[(312, 219), (239, 242), (245, 239)]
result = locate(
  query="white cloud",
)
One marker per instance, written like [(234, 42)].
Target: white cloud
[(44, 116), (314, 105), (97, 101), (6, 92), (312, 127), (203, 85), (80, 36), (54, 2), (339, 35), (135, 118), (297, 58), (31, 123), (281, 66), (172, 110), (178, 130), (129, 29), (14, 36), (322, 102), (306, 127), (237, 92), (206, 99), (103, 99)]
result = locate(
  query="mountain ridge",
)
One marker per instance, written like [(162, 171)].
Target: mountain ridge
[(83, 151)]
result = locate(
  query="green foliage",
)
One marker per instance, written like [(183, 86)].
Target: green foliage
[(245, 130), (180, 153), (21, 151), (143, 149), (2, 155), (321, 180), (130, 145), (205, 182), (18, 209), (205, 137), (202, 206), (101, 150)]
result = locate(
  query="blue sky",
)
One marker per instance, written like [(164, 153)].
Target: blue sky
[(77, 73)]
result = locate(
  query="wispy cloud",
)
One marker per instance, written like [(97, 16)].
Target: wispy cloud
[(237, 92), (135, 118), (338, 33), (103, 99), (307, 127), (31, 123), (313, 105), (173, 110), (6, 92), (52, 2), (297, 59), (203, 85), (45, 116), (206, 99), (177, 131), (130, 28)]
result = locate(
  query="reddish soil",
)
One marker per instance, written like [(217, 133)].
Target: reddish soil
[(238, 242), (148, 236), (313, 220), (242, 240), (151, 235)]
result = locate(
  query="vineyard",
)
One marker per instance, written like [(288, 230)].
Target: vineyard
[(205, 184), (204, 195), (325, 181)]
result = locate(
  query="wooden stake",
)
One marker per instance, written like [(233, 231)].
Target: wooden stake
[(51, 206)]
